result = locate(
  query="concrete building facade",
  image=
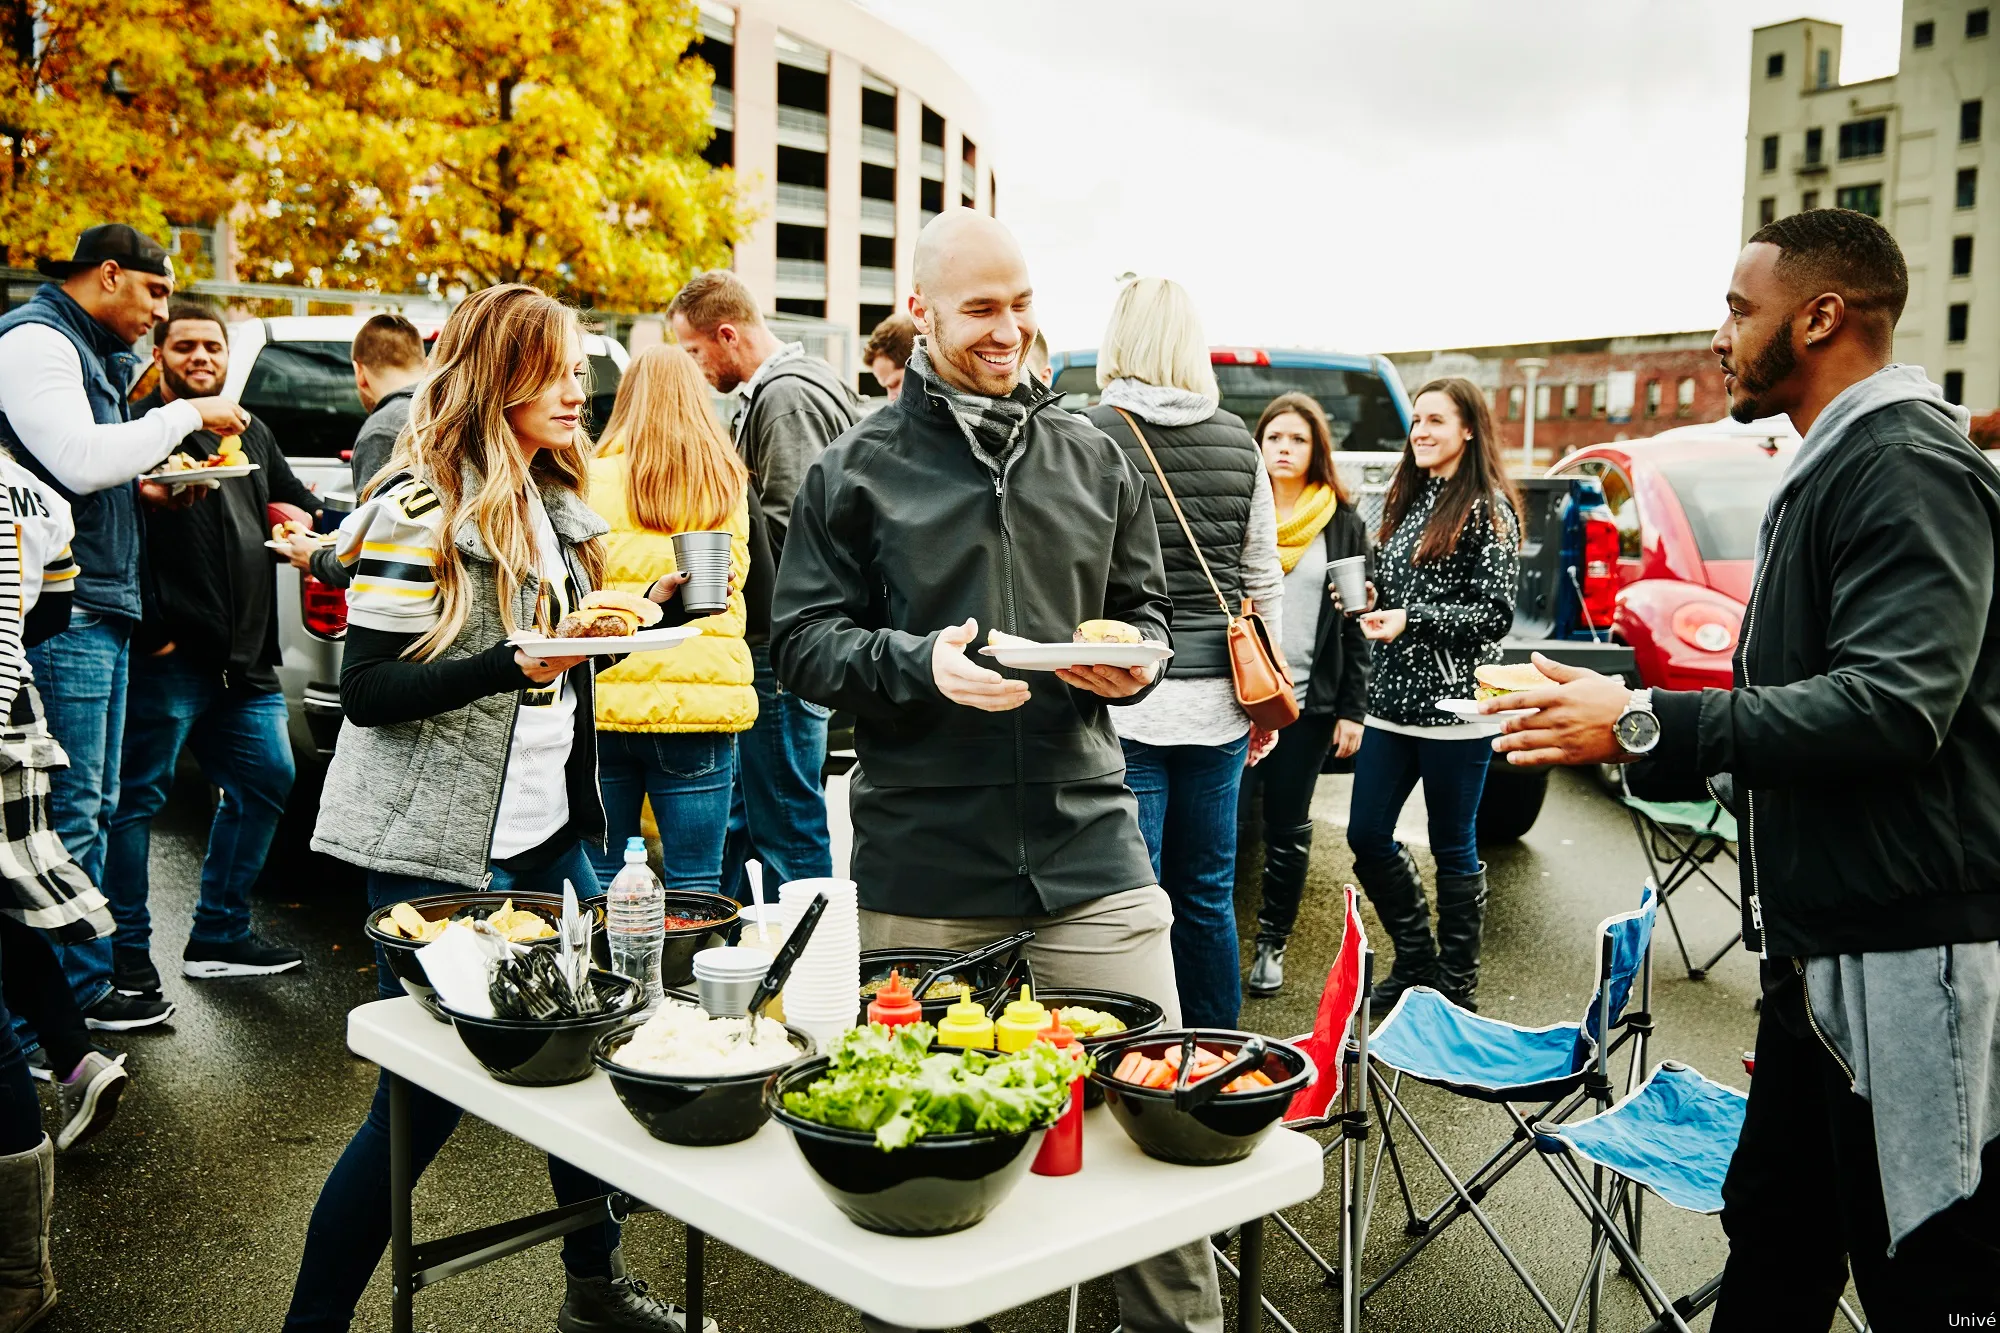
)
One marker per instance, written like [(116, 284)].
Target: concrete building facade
[(1588, 391), (1919, 149), (847, 136)]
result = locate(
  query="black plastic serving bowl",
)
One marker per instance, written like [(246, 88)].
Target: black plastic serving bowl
[(693, 1112), (715, 915), (936, 1185), (540, 1053), (1140, 1016), (1226, 1129), (402, 953), (915, 964)]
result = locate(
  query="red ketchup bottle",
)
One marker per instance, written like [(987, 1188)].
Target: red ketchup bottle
[(1061, 1153), (893, 1005)]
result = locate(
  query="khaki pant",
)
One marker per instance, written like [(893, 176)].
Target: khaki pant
[(1120, 943)]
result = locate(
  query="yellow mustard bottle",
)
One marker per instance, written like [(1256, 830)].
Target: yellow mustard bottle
[(1020, 1023), (966, 1024)]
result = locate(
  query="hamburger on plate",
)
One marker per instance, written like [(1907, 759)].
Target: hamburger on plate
[(609, 614)]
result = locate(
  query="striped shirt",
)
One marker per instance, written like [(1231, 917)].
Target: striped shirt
[(35, 560)]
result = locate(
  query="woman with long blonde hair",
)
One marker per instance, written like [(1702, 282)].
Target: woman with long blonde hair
[(667, 722), (464, 762)]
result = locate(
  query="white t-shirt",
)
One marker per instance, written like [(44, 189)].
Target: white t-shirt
[(534, 799)]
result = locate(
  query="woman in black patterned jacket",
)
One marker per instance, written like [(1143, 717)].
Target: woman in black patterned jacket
[(1446, 570)]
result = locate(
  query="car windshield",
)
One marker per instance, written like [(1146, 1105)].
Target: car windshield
[(1724, 500), (1358, 404)]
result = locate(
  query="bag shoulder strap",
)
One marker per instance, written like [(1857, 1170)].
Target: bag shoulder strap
[(1174, 500)]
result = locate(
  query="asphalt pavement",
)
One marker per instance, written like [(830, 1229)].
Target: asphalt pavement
[(190, 1211)]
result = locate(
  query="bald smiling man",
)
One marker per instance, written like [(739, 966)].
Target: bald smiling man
[(986, 803)]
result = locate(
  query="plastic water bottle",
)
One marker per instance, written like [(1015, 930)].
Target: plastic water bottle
[(635, 919)]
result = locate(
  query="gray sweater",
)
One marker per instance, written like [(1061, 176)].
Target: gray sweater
[(378, 436)]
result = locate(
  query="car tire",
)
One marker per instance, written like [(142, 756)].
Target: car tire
[(1510, 804)]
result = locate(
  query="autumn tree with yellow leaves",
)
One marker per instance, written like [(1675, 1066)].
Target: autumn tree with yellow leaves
[(388, 145)]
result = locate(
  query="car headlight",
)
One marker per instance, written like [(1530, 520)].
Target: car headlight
[(1709, 626)]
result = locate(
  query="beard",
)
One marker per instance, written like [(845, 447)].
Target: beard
[(1773, 365), (183, 389)]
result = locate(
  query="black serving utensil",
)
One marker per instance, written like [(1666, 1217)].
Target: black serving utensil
[(788, 955), (1188, 1096), (966, 961)]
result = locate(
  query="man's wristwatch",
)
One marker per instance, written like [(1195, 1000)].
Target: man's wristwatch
[(1637, 730)]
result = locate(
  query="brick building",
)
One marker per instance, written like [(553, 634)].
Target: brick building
[(1592, 389)]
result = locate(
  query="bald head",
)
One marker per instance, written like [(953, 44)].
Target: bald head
[(973, 301)]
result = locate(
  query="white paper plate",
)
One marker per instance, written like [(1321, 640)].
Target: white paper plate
[(645, 641), (1468, 709), (322, 539), (200, 475), (1056, 656)]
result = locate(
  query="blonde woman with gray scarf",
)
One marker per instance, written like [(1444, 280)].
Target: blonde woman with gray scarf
[(1187, 744)]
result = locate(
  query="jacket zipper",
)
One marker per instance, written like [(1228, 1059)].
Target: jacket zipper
[(1750, 796), (1812, 1021), (493, 825), (1013, 627)]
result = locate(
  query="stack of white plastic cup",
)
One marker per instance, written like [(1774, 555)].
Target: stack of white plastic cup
[(823, 994)]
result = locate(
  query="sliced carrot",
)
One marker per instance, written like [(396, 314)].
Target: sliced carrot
[(1173, 1058), (1263, 1079), (1128, 1068)]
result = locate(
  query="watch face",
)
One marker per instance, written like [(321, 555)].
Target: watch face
[(1637, 731)]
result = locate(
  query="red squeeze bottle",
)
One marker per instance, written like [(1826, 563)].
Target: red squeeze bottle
[(893, 1005), (1061, 1153)]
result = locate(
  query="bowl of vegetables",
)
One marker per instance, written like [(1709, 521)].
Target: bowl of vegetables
[(695, 921), (1199, 1096), (401, 929), (1099, 1017), (542, 1052), (695, 1080), (914, 1142)]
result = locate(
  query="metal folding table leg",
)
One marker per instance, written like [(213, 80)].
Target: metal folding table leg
[(694, 1279), (1250, 1277), (402, 1298)]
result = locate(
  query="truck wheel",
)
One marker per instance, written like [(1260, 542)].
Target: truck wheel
[(1511, 802)]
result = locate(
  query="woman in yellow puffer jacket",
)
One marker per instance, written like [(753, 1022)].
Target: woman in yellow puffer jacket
[(667, 722)]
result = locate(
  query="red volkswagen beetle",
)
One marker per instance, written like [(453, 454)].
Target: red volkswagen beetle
[(1685, 507)]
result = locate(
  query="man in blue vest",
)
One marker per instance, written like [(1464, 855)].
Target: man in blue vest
[(66, 363)]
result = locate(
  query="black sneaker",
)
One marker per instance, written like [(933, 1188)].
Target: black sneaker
[(247, 957), (123, 1013), (619, 1305), (133, 973)]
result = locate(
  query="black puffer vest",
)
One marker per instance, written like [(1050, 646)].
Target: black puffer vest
[(1213, 467)]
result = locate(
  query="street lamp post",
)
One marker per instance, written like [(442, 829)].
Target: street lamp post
[(1532, 367)]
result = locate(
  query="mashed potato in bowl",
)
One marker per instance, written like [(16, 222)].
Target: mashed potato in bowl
[(684, 1041)]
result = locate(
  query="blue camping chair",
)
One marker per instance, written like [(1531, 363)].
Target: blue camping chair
[(1673, 1136), (1680, 841), (1554, 1069)]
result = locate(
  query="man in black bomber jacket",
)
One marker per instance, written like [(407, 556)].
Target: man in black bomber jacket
[(1861, 751)]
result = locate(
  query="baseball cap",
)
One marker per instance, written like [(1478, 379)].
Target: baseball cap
[(112, 241)]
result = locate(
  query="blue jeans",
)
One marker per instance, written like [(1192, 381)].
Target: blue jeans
[(688, 776), (1387, 770), (350, 1223), (81, 674), (238, 736), (778, 815), (1187, 814)]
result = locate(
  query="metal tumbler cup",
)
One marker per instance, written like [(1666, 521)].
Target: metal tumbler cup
[(704, 558), (1350, 580)]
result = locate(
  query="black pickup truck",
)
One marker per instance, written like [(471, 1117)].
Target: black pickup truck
[(1513, 796)]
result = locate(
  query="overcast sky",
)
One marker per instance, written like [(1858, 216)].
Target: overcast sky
[(1377, 177)]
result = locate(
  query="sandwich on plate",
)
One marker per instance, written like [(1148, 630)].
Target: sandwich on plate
[(609, 614), (1507, 678)]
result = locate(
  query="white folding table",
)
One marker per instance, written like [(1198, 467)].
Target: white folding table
[(758, 1196)]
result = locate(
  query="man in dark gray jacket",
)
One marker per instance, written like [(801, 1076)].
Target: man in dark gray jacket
[(388, 361), (793, 406)]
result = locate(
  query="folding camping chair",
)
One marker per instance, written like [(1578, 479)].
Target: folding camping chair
[(1336, 1099), (1555, 1068), (1673, 1136), (1680, 840)]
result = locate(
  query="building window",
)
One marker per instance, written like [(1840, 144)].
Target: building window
[(1954, 386), (1961, 256), (1569, 401), (1514, 403), (1815, 139), (930, 196), (1684, 397), (1864, 138), (1770, 152), (878, 109), (1976, 22), (1652, 398), (1956, 318), (1541, 402), (1924, 34), (799, 305), (933, 128), (1968, 120), (1968, 187), (1774, 65), (1767, 212), (1809, 201), (1597, 399), (1823, 68), (1861, 198)]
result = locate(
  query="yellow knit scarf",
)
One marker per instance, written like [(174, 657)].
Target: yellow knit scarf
[(1309, 516)]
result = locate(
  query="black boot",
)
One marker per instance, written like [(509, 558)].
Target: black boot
[(1397, 891), (618, 1304), (1287, 853), (1461, 915)]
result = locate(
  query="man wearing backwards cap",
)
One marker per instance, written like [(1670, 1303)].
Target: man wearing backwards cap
[(66, 362)]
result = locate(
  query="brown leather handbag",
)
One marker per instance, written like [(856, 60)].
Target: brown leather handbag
[(1263, 683)]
